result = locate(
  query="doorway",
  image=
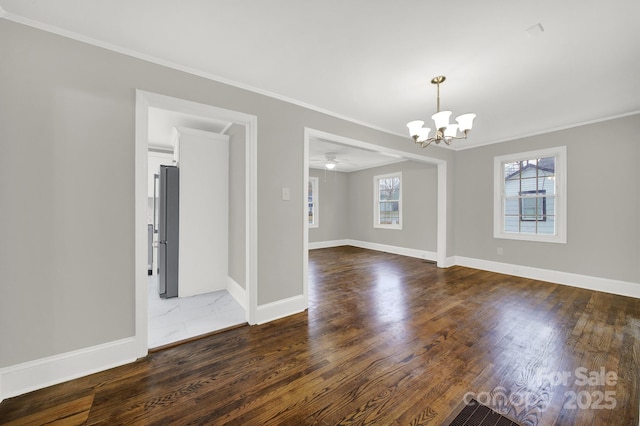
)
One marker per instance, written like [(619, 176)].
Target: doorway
[(242, 282), (441, 216)]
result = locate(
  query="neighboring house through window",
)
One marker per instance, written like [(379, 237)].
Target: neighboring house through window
[(530, 196), (313, 197), (387, 196)]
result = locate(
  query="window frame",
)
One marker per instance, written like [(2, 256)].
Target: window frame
[(315, 184), (560, 202), (542, 214), (376, 202)]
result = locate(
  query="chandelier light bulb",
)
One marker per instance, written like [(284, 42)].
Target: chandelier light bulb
[(441, 119), (423, 134), (415, 126), (451, 131), (465, 121)]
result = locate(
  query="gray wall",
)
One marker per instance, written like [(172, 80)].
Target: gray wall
[(237, 205), (333, 206), (603, 185), (346, 206), (419, 206), (67, 129)]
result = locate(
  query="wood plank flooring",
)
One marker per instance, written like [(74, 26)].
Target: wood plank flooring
[(387, 340)]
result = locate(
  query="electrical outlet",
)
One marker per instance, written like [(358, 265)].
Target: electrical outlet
[(500, 251)]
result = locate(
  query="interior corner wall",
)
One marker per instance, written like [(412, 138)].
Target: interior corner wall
[(237, 204), (603, 185), (333, 214), (419, 207), (346, 207)]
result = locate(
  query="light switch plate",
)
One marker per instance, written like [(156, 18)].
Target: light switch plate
[(286, 194)]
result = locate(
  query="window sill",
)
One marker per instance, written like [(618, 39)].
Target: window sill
[(396, 227), (557, 239)]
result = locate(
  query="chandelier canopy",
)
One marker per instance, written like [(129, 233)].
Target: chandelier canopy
[(445, 132)]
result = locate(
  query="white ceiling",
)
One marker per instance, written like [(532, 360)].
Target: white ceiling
[(371, 60), (347, 157)]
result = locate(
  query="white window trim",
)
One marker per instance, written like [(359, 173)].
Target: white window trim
[(376, 207), (315, 182), (560, 202)]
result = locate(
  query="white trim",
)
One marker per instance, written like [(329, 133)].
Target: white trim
[(305, 218), (251, 213), (357, 169), (441, 231), (319, 134), (169, 64), (420, 254), (140, 219), (152, 59), (238, 293), (606, 285), (448, 262), (29, 376), (328, 244), (442, 193), (560, 154), (310, 133), (463, 147), (144, 100), (281, 308), (376, 202)]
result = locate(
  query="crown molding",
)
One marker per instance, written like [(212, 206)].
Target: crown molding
[(149, 58), (544, 132)]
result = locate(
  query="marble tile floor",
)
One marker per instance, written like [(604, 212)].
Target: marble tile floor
[(179, 318)]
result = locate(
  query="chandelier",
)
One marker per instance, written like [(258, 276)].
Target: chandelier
[(445, 132)]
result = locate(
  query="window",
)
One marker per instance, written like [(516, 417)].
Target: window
[(387, 198), (530, 196), (533, 205), (313, 196)]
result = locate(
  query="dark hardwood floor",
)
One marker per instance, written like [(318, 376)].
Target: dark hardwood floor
[(387, 340)]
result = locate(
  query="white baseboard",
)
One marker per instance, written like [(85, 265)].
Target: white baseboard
[(280, 309), (41, 373), (327, 244), (420, 254), (238, 293), (26, 377), (449, 262), (605, 285)]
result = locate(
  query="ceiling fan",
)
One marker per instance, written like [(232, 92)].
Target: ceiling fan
[(329, 162)]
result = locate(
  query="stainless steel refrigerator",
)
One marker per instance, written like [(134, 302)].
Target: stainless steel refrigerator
[(168, 203)]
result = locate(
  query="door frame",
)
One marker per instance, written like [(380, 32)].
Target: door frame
[(441, 219), (144, 101)]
